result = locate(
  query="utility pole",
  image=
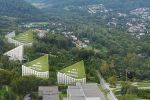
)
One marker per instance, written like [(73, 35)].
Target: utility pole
[(126, 75)]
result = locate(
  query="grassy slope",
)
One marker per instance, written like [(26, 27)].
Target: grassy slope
[(42, 62), (26, 37), (79, 66)]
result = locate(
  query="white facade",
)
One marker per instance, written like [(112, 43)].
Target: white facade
[(17, 43), (10, 35), (28, 71), (15, 54), (62, 78)]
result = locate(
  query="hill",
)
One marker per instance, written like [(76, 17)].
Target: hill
[(21, 10), (119, 4)]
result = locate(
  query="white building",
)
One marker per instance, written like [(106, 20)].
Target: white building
[(72, 74), (38, 67), (16, 54), (10, 35), (15, 42)]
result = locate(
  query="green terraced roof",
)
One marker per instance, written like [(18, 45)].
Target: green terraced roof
[(40, 64), (76, 70), (26, 37)]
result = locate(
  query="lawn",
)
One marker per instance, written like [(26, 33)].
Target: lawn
[(100, 50), (143, 84), (138, 84), (40, 23), (26, 37), (90, 48), (41, 64), (77, 70), (130, 97)]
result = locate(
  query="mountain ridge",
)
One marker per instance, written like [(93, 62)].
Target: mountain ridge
[(21, 10)]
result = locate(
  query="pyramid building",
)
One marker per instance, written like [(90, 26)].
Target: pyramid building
[(16, 53), (38, 67), (72, 74)]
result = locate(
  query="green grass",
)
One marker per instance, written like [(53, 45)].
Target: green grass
[(61, 96), (130, 97), (90, 48), (143, 84), (138, 84), (78, 68), (26, 37), (40, 64), (40, 23), (102, 50)]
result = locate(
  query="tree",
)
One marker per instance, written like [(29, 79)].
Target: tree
[(112, 80), (5, 77), (104, 68), (28, 84)]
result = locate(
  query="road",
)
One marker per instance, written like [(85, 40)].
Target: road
[(105, 86), (102, 96)]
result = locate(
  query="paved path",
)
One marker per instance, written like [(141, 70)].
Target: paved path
[(102, 95), (105, 86)]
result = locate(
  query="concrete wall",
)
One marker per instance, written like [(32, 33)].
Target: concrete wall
[(17, 43), (10, 35), (29, 71), (62, 78), (15, 54), (93, 98)]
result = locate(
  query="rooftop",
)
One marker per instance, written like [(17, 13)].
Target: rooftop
[(26, 37), (82, 92), (40, 64), (49, 92), (76, 70), (75, 98)]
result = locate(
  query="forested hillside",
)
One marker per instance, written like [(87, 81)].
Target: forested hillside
[(20, 10), (115, 44), (118, 4)]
